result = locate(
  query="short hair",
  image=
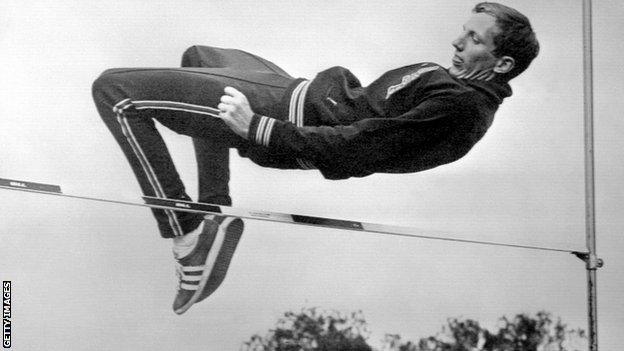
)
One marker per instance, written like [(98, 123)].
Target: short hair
[(516, 38)]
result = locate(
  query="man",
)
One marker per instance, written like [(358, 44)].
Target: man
[(410, 119)]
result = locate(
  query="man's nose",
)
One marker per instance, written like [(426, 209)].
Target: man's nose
[(458, 43)]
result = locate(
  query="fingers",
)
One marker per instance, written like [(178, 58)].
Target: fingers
[(232, 100), (235, 112), (223, 108), (233, 97), (228, 101), (229, 91)]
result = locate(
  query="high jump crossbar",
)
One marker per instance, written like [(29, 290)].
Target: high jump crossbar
[(289, 218)]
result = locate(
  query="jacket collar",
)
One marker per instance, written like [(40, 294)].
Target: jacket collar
[(497, 90)]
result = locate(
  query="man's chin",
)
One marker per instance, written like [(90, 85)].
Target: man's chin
[(454, 71)]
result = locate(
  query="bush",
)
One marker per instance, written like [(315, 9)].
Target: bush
[(314, 329), (521, 333)]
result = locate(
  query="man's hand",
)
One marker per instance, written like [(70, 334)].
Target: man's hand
[(235, 111)]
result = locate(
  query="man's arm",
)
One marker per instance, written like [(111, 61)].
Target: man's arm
[(435, 132)]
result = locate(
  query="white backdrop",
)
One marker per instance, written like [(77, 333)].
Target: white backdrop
[(97, 276)]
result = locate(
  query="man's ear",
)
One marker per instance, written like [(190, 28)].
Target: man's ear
[(504, 65)]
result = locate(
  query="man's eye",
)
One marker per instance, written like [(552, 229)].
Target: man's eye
[(475, 39)]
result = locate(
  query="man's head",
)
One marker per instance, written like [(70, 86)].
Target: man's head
[(496, 41)]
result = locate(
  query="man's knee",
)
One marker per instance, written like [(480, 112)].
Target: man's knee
[(99, 86), (106, 88), (190, 57), (104, 81)]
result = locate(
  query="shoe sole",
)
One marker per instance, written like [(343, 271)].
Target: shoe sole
[(224, 244)]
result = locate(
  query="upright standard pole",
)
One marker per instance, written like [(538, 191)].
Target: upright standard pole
[(592, 262)]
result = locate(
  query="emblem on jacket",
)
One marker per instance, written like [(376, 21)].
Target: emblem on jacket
[(409, 78)]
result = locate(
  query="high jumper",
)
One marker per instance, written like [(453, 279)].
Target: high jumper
[(410, 119)]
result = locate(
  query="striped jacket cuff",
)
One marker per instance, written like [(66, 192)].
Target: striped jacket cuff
[(260, 129)]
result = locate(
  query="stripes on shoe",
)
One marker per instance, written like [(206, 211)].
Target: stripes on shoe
[(198, 281), (215, 249), (194, 278), (190, 276)]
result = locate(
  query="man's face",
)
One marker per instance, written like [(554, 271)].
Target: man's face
[(473, 48)]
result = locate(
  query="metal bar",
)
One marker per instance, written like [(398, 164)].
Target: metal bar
[(590, 210), (188, 206), (20, 184)]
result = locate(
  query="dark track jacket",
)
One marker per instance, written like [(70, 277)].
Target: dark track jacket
[(410, 119)]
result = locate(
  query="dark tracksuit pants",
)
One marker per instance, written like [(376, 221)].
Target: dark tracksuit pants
[(130, 99)]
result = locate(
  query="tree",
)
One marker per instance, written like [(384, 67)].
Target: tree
[(313, 329), (539, 333), (521, 333)]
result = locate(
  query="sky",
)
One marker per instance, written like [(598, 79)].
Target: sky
[(91, 275)]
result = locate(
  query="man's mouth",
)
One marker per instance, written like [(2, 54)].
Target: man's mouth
[(457, 60)]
